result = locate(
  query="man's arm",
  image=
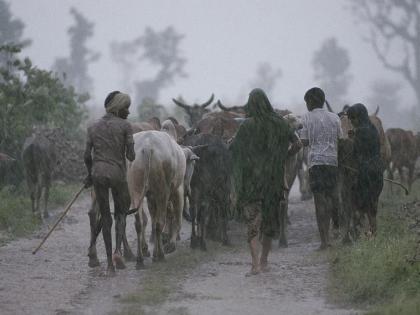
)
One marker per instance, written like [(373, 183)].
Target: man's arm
[(129, 142), (88, 160)]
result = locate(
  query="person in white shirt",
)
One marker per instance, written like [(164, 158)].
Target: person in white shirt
[(321, 131)]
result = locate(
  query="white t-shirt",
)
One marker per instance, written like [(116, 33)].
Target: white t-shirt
[(322, 129)]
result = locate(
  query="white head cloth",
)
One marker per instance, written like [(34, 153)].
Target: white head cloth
[(118, 102)]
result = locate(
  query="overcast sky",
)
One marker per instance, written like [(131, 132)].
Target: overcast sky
[(224, 42)]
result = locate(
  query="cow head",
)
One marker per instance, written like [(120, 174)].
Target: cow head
[(194, 112), (293, 121), (169, 128), (190, 158)]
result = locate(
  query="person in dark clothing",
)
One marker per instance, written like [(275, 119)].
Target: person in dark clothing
[(366, 152), (259, 152), (110, 139)]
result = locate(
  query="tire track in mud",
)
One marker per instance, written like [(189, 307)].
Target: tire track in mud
[(57, 279)]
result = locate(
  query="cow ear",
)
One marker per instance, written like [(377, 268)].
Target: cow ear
[(194, 157)]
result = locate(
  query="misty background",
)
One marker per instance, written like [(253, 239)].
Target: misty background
[(159, 50)]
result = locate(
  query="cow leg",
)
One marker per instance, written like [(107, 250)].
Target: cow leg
[(46, 196), (139, 229), (158, 210), (177, 207), (95, 228), (410, 176), (203, 220), (223, 217), (193, 213)]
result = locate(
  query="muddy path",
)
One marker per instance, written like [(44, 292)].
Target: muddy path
[(57, 279)]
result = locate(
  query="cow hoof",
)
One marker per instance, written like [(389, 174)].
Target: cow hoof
[(165, 238), (159, 258), (46, 215), (118, 261), (129, 256), (93, 262), (195, 242), (140, 265), (169, 248), (203, 246), (226, 242), (110, 271), (283, 244), (145, 251)]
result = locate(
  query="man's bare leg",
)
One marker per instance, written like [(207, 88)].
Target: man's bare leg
[(266, 248), (253, 246)]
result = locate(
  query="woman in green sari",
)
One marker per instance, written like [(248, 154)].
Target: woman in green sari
[(259, 152)]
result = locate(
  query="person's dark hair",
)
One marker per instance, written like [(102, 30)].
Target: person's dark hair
[(315, 97), (109, 97)]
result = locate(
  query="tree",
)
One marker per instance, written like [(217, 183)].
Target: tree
[(157, 49), (385, 94), (31, 97), (331, 64), (266, 77), (394, 30), (11, 31), (75, 68)]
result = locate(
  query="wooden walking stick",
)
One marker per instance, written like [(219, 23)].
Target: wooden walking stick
[(60, 218)]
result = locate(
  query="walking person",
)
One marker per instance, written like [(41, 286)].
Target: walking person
[(259, 152), (321, 131), (110, 140), (366, 152)]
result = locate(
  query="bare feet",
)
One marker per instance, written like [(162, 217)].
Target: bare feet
[(118, 260), (255, 270), (110, 271)]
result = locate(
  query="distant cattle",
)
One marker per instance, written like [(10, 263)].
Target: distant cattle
[(39, 160), (210, 189), (403, 153), (194, 112)]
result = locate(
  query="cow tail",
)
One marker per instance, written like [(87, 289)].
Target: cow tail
[(148, 157)]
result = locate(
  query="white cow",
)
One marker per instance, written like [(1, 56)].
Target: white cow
[(158, 173)]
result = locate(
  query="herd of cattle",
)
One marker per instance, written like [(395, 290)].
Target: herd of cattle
[(187, 172)]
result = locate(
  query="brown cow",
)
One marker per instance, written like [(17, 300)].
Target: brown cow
[(194, 112), (403, 153)]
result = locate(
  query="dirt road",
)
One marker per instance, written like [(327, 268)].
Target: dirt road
[(57, 280)]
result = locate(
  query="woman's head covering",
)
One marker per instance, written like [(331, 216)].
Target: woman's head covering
[(258, 105), (358, 111), (117, 102)]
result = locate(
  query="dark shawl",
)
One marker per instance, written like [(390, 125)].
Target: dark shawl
[(259, 151), (366, 152)]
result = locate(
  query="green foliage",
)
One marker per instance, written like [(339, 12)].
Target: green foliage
[(16, 216), (381, 270), (33, 97)]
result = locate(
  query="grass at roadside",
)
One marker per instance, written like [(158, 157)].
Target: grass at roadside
[(383, 274), (16, 218)]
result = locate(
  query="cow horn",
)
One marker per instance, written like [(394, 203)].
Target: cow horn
[(376, 111), (197, 147), (204, 105), (229, 109), (329, 106), (180, 104)]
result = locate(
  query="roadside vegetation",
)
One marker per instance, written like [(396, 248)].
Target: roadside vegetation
[(16, 217), (382, 275)]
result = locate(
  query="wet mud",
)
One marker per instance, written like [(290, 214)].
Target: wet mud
[(57, 279)]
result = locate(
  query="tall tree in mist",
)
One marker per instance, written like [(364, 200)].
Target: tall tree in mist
[(155, 50), (266, 77), (75, 67), (11, 31), (385, 94), (331, 65), (394, 35)]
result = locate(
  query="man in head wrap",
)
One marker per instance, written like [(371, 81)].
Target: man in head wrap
[(110, 139), (366, 153), (321, 131), (259, 151)]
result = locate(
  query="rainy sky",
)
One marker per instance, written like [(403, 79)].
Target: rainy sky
[(224, 42)]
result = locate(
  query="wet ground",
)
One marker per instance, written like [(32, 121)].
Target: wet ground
[(57, 279)]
